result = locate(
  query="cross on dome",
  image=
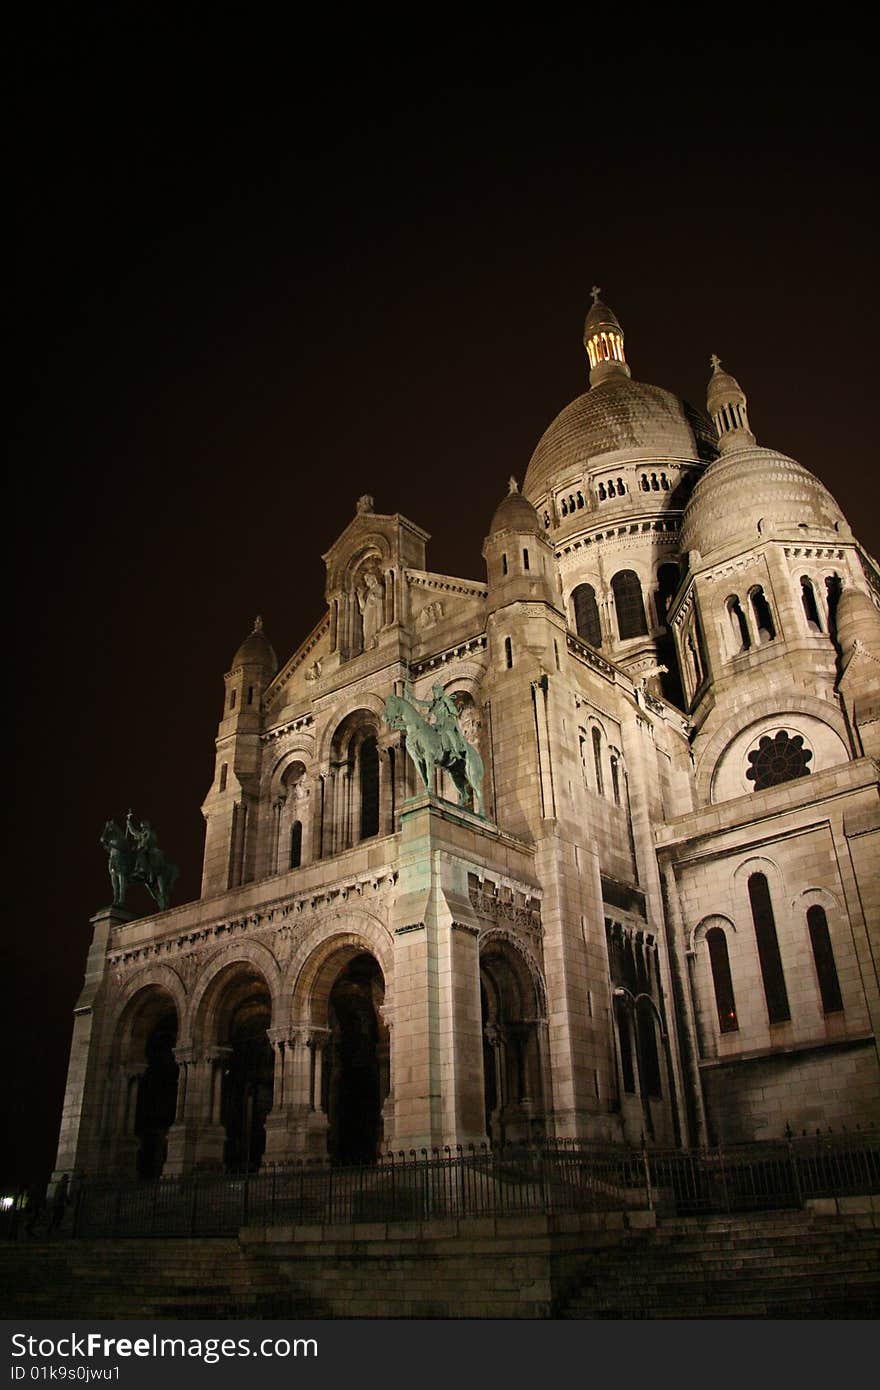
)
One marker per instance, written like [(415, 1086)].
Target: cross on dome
[(715, 361), (595, 292), (512, 484)]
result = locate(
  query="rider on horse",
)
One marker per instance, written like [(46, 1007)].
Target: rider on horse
[(442, 710)]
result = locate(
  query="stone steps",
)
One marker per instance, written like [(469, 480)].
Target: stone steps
[(799, 1266)]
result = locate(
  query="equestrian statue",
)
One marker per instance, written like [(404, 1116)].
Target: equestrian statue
[(134, 856), (437, 741)]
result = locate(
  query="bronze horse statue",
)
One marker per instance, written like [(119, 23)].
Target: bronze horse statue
[(127, 863), (428, 749)]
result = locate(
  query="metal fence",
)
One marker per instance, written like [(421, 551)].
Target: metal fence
[(515, 1181)]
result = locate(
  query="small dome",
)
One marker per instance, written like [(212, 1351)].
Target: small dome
[(515, 513), (857, 620), (753, 491), (256, 650), (618, 414)]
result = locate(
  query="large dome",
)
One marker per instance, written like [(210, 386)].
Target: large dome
[(751, 486), (618, 414)]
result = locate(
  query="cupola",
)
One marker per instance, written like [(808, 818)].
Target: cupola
[(603, 339), (727, 407)]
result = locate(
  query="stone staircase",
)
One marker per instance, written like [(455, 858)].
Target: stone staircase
[(777, 1265), (796, 1264), (61, 1278)]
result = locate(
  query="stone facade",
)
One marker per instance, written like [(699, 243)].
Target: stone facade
[(664, 925)]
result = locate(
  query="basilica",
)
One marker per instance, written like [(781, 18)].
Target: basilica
[(642, 906)]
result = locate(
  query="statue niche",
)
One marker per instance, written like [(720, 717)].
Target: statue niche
[(370, 596)]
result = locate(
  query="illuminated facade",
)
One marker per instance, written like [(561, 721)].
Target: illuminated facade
[(666, 923)]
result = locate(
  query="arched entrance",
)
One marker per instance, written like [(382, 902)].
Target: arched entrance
[(157, 1095), (248, 1070), (148, 1077), (355, 1073), (512, 1065)]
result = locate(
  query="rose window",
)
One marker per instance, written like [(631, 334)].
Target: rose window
[(778, 758)]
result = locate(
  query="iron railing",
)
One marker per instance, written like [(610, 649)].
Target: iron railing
[(553, 1178)]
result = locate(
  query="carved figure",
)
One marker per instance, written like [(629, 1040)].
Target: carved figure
[(134, 856), (371, 602), (440, 744)]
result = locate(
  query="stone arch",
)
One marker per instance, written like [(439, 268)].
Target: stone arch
[(299, 750), (338, 1001), (156, 976), (365, 703), (714, 919), (360, 932), (711, 755), (143, 1080), (232, 1014), (251, 955), (818, 897), (513, 1004)]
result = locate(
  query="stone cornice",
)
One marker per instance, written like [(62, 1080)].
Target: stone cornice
[(461, 649), (293, 726), (280, 915), (445, 583)]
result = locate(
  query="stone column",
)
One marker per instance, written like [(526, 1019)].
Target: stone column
[(180, 1134), (204, 1108), (127, 1143)]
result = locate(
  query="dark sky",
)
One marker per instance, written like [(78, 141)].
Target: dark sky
[(260, 272)]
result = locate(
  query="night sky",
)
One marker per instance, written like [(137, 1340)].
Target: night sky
[(259, 273)]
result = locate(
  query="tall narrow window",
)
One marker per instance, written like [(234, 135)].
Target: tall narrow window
[(508, 652), (628, 1079), (224, 774), (296, 840), (615, 780), (368, 759), (649, 1060), (628, 601), (503, 564), (826, 970), (586, 614), (250, 694), (739, 628), (597, 760), (811, 608), (832, 594), (763, 616), (232, 699), (525, 559), (768, 950), (720, 962)]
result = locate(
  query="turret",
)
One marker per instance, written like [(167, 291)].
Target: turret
[(603, 339), (727, 406), (230, 806)]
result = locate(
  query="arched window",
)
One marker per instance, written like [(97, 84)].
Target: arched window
[(508, 652), (615, 779), (586, 614), (811, 608), (763, 616), (772, 974), (720, 962), (630, 606), (823, 955), (296, 840), (738, 626), (368, 771), (832, 594), (649, 1060), (597, 760), (779, 759)]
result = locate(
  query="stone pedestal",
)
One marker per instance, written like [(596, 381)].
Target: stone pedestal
[(437, 1059), (78, 1141)]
